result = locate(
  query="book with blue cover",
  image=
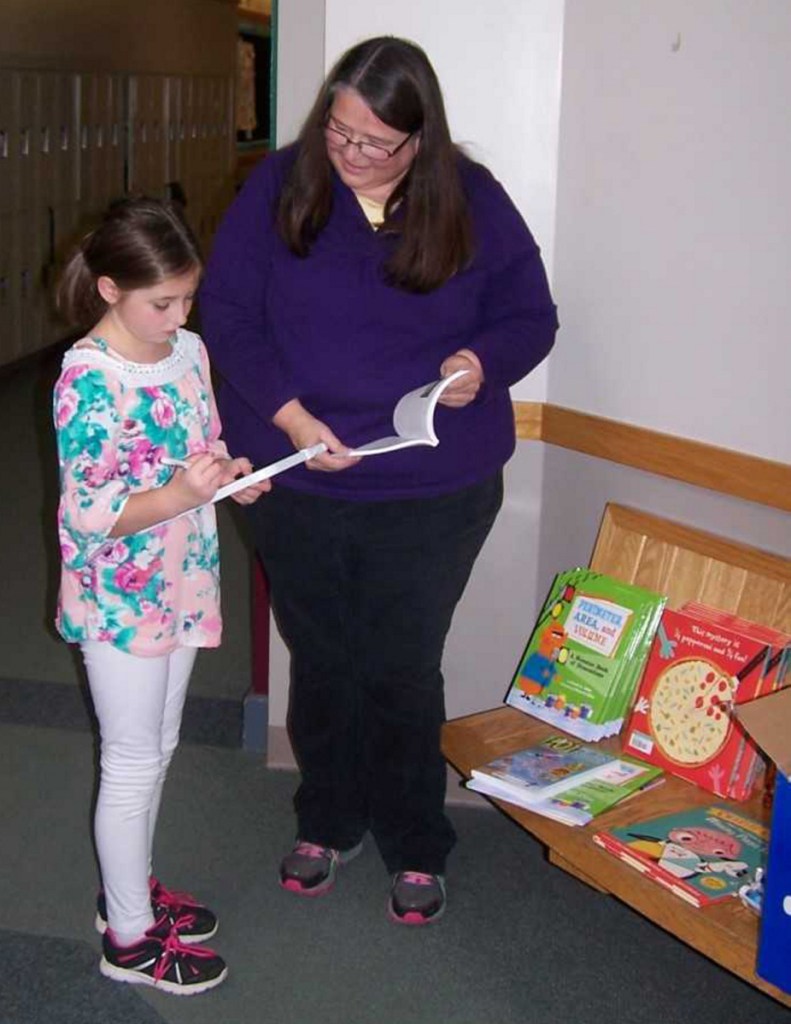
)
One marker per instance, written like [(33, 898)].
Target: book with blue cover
[(618, 780), (542, 771)]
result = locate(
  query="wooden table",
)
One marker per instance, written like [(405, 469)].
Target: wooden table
[(727, 933)]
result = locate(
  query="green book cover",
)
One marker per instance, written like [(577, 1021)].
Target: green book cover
[(623, 778), (584, 657)]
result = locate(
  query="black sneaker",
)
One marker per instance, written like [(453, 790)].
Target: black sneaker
[(309, 870), (416, 898), (162, 960), (195, 923)]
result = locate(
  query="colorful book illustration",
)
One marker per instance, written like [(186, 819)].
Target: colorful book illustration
[(701, 664), (413, 419), (542, 771), (704, 855), (620, 779), (584, 657)]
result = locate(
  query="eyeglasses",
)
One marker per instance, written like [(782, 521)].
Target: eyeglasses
[(370, 150)]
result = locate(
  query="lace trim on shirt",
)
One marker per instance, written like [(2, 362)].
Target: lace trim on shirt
[(184, 357)]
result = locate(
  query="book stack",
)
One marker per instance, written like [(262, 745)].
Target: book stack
[(562, 779), (701, 664), (585, 655), (704, 854)]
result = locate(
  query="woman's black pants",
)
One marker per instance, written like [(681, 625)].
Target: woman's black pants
[(363, 594)]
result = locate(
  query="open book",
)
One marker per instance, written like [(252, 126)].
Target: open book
[(413, 419)]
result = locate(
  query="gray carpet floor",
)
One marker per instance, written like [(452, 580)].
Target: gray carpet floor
[(521, 942)]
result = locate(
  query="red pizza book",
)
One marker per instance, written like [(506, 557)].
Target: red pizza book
[(696, 670), (749, 765)]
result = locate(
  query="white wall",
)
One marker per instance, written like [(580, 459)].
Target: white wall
[(299, 37), (499, 66), (673, 266)]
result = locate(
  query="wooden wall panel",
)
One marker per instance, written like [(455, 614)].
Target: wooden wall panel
[(737, 474), (692, 565)]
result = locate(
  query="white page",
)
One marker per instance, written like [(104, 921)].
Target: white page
[(413, 419), (269, 471)]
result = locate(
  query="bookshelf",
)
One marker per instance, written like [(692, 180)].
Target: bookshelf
[(686, 564), (254, 85)]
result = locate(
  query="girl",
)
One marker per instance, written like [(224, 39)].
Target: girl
[(140, 569)]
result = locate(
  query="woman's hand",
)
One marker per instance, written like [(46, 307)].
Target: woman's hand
[(304, 430), (462, 391), (232, 468)]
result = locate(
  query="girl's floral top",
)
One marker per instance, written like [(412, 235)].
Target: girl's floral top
[(149, 592)]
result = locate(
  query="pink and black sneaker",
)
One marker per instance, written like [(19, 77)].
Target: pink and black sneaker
[(309, 870), (162, 960), (196, 923), (416, 898)]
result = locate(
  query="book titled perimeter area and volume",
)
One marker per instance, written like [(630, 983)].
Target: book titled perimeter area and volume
[(586, 653)]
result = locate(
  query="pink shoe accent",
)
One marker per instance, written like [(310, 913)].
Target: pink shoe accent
[(417, 878), (175, 949), (311, 850)]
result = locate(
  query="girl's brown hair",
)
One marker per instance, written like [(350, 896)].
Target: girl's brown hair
[(427, 209), (138, 243)]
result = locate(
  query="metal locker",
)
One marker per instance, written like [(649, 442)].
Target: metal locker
[(175, 129), (9, 126), (28, 141), (60, 168), (100, 142), (148, 136), (34, 294), (9, 289)]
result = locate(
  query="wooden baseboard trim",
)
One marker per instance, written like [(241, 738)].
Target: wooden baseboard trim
[(736, 474)]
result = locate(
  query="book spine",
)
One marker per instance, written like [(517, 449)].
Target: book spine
[(669, 882)]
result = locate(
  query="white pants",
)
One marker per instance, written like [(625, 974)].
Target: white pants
[(139, 703)]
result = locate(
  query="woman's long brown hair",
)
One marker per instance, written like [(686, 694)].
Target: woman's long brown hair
[(428, 208)]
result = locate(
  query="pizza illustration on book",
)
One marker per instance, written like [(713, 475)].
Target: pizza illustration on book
[(682, 719), (688, 715)]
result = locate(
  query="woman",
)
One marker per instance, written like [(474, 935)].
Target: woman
[(367, 259)]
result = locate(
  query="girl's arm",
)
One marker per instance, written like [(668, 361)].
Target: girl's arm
[(186, 489), (97, 478)]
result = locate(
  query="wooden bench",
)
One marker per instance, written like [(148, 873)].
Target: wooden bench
[(686, 564)]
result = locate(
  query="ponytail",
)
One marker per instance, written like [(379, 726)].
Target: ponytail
[(77, 298)]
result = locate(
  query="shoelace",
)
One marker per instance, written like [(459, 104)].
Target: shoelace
[(170, 899), (174, 950)]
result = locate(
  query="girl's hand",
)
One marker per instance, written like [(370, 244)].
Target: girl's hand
[(198, 483), (464, 390), (305, 430), (233, 468)]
